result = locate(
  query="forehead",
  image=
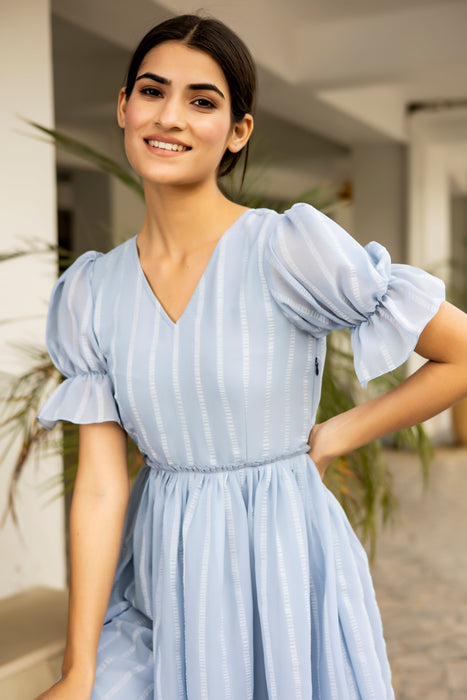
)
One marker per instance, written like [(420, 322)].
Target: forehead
[(182, 64)]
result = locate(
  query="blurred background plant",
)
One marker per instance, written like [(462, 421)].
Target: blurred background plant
[(361, 481)]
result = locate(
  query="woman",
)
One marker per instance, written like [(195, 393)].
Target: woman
[(203, 338)]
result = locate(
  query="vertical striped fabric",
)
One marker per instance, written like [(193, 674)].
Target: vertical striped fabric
[(239, 576)]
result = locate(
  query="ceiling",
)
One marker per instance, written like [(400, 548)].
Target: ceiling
[(332, 73), (338, 9)]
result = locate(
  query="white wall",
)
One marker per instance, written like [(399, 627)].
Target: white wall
[(91, 214), (126, 212), (379, 196), (35, 555)]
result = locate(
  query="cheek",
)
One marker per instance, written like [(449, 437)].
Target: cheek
[(134, 116), (216, 133), (135, 119), (131, 134)]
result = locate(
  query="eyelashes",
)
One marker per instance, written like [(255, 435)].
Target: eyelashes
[(151, 92), (202, 102), (206, 103)]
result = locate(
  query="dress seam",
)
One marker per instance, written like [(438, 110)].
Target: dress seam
[(233, 466)]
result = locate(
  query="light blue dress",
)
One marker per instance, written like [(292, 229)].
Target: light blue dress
[(239, 576)]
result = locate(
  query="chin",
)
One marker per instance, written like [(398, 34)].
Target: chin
[(178, 179), (161, 181), (174, 173)]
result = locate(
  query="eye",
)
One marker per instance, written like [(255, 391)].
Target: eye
[(204, 103), (151, 92)]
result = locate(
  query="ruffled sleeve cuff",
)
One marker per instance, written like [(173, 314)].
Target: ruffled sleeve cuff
[(388, 336), (84, 398)]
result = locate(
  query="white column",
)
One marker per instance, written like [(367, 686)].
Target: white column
[(34, 555), (437, 157)]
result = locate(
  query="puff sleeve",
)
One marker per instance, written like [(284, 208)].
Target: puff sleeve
[(323, 280), (86, 395)]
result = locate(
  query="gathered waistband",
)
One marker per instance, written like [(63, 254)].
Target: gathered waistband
[(206, 468)]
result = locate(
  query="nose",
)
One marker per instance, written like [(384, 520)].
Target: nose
[(171, 113)]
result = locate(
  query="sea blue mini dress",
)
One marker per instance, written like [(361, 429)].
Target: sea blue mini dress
[(239, 576)]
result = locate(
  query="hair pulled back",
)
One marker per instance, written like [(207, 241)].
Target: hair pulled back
[(216, 39)]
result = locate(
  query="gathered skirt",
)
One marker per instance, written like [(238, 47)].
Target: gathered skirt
[(245, 584)]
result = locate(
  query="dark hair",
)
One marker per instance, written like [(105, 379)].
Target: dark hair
[(225, 47)]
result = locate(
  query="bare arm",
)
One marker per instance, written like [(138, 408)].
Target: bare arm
[(96, 522), (438, 384)]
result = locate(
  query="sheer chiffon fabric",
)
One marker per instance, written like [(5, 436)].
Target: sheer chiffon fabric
[(239, 575)]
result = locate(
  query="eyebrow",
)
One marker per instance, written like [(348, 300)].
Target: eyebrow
[(193, 86)]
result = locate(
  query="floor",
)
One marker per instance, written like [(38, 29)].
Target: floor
[(32, 635), (420, 578)]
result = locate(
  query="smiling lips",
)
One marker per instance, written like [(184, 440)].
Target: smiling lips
[(164, 145)]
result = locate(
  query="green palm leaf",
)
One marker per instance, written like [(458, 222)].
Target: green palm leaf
[(103, 162)]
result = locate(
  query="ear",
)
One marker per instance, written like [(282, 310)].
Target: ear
[(241, 133), (121, 108)]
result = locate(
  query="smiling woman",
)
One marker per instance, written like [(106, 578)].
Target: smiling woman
[(226, 50), (230, 571), (181, 91)]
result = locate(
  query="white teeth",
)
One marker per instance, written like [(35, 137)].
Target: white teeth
[(167, 146)]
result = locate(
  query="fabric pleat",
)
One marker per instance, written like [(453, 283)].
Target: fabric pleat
[(309, 628)]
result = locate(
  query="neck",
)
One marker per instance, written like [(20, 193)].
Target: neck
[(179, 220)]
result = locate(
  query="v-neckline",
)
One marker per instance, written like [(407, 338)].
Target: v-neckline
[(150, 290)]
